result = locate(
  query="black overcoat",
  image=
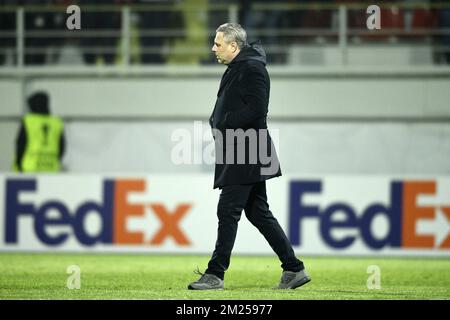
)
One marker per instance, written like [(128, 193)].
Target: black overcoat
[(244, 150)]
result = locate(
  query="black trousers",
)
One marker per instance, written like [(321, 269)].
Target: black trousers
[(252, 199)]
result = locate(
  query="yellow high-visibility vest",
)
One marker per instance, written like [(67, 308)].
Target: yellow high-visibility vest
[(43, 143)]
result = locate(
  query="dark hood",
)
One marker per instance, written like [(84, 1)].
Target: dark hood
[(38, 103), (252, 51)]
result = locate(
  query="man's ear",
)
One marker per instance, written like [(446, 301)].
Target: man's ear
[(235, 46)]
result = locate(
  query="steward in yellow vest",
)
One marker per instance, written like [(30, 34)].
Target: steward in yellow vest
[(40, 143)]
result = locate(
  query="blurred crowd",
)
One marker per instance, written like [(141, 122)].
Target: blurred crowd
[(171, 32)]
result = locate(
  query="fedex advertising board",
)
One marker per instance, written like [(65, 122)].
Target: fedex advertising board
[(352, 215)]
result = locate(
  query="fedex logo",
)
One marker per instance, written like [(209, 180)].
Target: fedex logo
[(403, 214), (114, 211)]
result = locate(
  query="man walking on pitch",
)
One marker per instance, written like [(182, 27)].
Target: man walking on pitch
[(243, 165)]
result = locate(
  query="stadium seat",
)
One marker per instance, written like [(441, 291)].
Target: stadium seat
[(316, 18), (422, 19)]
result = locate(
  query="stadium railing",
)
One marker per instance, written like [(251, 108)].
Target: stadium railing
[(181, 33)]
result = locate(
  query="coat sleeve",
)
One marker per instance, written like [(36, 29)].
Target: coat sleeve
[(62, 145), (254, 95), (21, 142)]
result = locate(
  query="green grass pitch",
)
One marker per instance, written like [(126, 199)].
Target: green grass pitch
[(126, 276)]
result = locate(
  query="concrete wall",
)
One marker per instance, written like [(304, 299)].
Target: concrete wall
[(192, 97), (322, 100)]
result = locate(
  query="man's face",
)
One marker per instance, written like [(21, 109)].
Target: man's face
[(225, 52)]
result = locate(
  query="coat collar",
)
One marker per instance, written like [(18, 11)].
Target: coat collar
[(227, 76)]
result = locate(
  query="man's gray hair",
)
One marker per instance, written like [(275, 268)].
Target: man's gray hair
[(233, 32)]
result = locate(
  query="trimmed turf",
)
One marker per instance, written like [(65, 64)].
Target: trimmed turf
[(43, 276)]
